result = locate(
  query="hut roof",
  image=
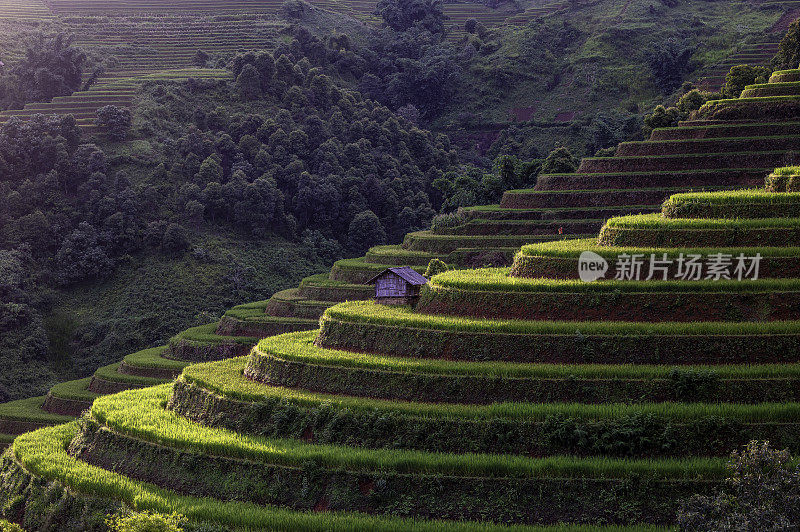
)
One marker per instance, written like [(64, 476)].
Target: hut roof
[(410, 275)]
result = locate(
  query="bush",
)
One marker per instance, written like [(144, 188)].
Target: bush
[(444, 221), (435, 267), (364, 232), (786, 179), (669, 62), (764, 494), (175, 239), (606, 152), (115, 121), (661, 117), (559, 161), (5, 526), (248, 83), (147, 522), (788, 55), (693, 100), (740, 76)]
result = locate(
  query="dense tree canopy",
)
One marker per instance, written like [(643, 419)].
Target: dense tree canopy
[(788, 55), (51, 66), (402, 15)]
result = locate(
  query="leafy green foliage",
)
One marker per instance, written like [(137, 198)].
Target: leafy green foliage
[(559, 161), (402, 15), (364, 232), (51, 66), (763, 494), (146, 522), (435, 267), (5, 526), (742, 75), (788, 55), (669, 63), (115, 121)]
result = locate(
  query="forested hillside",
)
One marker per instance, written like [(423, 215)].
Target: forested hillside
[(148, 182)]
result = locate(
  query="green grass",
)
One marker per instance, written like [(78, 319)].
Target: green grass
[(43, 453), (76, 390), (748, 203), (225, 378), (712, 103), (206, 334), (323, 279), (571, 249), (498, 280), (745, 196), (30, 410), (151, 358), (140, 414), (656, 221), (299, 347), (361, 264), (403, 317), (787, 171), (110, 373)]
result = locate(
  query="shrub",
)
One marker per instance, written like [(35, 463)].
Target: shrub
[(470, 25), (559, 161), (248, 83), (786, 179), (146, 522), (436, 266), (115, 121), (668, 62), (693, 100), (764, 494), (445, 221), (175, 239), (661, 117), (365, 231), (5, 526), (788, 55), (606, 152), (200, 58), (740, 76)]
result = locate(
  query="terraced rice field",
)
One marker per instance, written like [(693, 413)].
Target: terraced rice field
[(699, 155), (388, 404), (758, 54), (468, 407), (22, 10)]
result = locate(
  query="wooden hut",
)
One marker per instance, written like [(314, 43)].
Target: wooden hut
[(398, 286)]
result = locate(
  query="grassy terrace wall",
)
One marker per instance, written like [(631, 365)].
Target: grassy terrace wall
[(727, 130), (763, 159), (492, 294), (554, 199), (369, 328), (293, 361), (654, 231), (768, 142), (559, 260), (785, 76), (772, 89), (275, 471), (224, 399), (768, 108), (735, 204), (56, 487), (685, 178)]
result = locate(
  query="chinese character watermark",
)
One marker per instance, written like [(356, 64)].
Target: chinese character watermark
[(683, 267)]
